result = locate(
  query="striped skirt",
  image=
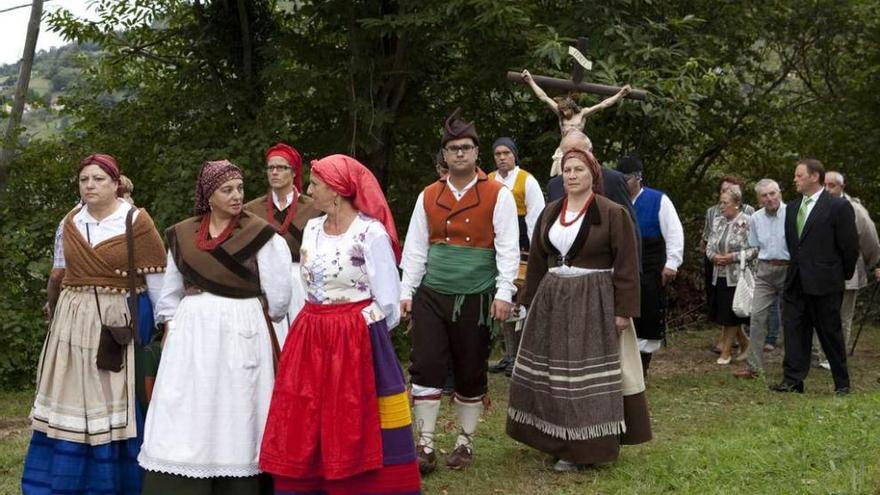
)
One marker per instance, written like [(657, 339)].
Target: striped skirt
[(339, 421)]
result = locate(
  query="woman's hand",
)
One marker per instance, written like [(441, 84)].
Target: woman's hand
[(621, 324), (723, 259)]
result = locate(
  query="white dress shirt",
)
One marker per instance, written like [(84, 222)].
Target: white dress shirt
[(505, 224), (671, 230), (534, 196), (275, 200)]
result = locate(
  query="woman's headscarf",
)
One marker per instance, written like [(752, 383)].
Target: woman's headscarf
[(592, 165), (352, 180), (293, 158), (106, 163), (212, 175)]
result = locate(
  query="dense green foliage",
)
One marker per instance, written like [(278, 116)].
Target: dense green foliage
[(740, 87)]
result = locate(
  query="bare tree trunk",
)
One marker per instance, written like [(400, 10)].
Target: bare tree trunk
[(24, 79)]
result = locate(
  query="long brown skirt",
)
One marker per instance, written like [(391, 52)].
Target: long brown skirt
[(569, 366)]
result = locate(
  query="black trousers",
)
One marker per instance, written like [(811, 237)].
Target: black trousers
[(802, 313), (437, 341)]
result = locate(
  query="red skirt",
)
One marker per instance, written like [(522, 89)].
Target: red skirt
[(339, 420)]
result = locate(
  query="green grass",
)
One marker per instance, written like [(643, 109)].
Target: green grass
[(712, 434)]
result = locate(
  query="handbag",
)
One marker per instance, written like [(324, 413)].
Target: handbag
[(113, 339), (745, 290)]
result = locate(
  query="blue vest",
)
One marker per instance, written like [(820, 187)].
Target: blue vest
[(647, 208)]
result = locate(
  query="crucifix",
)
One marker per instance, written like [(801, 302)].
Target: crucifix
[(571, 116)]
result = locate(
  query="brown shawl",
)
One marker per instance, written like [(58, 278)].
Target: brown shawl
[(606, 239), (230, 269), (106, 264), (305, 210)]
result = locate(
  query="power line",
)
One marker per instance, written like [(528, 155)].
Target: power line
[(10, 9)]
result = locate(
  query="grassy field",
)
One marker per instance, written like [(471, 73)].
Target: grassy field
[(713, 434)]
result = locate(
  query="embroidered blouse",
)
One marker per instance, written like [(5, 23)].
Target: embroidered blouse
[(350, 267)]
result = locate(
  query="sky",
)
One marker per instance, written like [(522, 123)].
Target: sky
[(13, 26)]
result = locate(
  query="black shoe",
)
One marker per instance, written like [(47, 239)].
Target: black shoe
[(788, 387), (427, 462), (500, 366), (508, 372), (840, 392)]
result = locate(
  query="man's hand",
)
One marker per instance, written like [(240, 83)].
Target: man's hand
[(667, 276), (406, 309), (527, 77), (626, 90), (47, 312), (501, 310), (621, 324), (877, 274)]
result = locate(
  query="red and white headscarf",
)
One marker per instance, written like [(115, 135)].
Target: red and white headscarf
[(293, 158), (352, 180), (211, 176)]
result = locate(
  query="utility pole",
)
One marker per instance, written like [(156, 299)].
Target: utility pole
[(10, 143)]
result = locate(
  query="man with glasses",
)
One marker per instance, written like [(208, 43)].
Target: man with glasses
[(529, 204), (459, 262), (662, 251), (287, 209)]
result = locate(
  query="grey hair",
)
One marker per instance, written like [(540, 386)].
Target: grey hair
[(839, 177), (763, 183), (579, 134), (734, 192)]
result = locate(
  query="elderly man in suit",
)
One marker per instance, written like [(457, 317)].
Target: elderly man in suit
[(820, 232)]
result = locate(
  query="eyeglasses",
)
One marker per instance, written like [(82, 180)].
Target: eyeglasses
[(456, 149), (277, 168)]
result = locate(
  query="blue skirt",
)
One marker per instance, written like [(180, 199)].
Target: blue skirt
[(56, 467)]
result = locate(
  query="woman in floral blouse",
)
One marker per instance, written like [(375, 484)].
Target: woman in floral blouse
[(340, 420), (728, 243)]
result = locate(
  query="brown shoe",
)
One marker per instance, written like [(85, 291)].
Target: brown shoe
[(460, 458), (427, 461), (746, 373)]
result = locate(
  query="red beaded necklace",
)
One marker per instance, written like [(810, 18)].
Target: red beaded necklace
[(579, 215), (291, 211), (205, 244)]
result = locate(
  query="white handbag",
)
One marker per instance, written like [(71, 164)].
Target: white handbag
[(745, 290)]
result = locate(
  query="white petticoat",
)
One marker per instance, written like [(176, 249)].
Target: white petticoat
[(212, 392)]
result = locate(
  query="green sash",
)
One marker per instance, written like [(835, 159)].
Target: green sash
[(460, 271)]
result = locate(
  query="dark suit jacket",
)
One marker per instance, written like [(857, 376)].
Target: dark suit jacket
[(614, 188), (825, 256)]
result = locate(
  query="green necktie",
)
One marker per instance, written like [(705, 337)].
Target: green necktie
[(802, 214)]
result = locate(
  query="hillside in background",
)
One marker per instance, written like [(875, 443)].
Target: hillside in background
[(55, 72)]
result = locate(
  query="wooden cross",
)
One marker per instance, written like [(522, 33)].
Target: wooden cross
[(576, 84)]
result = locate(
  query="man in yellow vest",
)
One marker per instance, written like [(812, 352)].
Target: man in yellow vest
[(529, 204)]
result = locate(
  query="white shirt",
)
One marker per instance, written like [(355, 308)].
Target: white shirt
[(671, 230), (95, 232), (504, 222), (278, 203), (814, 198), (534, 196), (273, 263), (767, 233)]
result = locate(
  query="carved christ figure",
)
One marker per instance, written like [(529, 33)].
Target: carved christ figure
[(571, 115)]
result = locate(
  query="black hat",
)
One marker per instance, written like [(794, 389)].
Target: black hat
[(629, 164)]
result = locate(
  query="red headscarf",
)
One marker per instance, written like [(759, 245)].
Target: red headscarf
[(294, 159), (106, 163), (351, 179), (592, 165)]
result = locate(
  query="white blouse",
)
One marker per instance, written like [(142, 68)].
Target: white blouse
[(562, 237), (354, 266), (273, 263)]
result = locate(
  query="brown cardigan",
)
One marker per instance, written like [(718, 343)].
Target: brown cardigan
[(305, 211), (606, 240)]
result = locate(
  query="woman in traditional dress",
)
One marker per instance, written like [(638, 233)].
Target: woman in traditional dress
[(287, 209), (728, 242), (87, 421), (340, 420), (577, 390), (228, 275)]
